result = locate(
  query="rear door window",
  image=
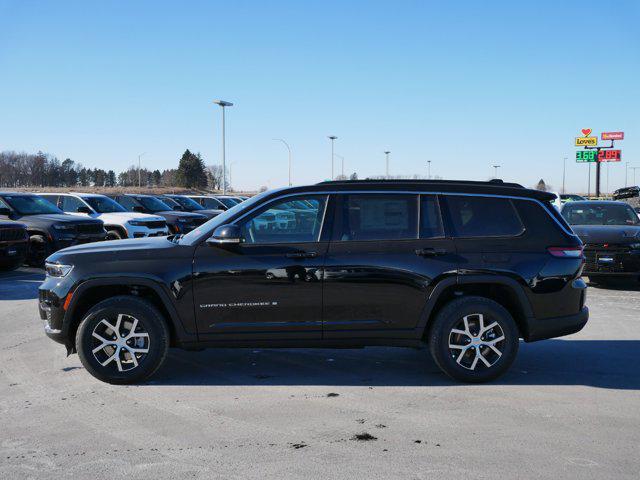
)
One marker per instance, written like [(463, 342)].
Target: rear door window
[(475, 216), (71, 204), (378, 217)]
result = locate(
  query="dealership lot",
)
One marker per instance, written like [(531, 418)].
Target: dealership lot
[(568, 408)]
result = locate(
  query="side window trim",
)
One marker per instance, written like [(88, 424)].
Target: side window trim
[(439, 213)]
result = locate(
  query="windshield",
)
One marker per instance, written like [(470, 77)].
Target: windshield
[(30, 205), (228, 202), (212, 203), (600, 214), (186, 203), (153, 204), (207, 228), (104, 204)]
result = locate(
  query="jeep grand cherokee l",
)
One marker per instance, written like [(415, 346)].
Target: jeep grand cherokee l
[(118, 222), (468, 268), (177, 221), (49, 228)]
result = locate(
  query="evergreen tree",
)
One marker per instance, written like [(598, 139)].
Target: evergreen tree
[(191, 171)]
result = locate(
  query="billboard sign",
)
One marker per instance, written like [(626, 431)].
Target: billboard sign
[(586, 141), (612, 135)]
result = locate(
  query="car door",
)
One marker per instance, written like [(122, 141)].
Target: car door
[(386, 254), (271, 283)]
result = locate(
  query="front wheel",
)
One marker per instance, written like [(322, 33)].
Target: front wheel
[(122, 340), (474, 339)]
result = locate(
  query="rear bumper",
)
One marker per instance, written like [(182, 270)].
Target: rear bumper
[(541, 329)]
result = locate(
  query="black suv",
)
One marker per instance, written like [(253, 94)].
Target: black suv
[(14, 241), (185, 204), (466, 267), (177, 221), (50, 229)]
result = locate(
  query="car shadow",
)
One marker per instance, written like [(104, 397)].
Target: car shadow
[(21, 284), (597, 363)]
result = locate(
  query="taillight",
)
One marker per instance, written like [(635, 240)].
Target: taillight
[(566, 252)]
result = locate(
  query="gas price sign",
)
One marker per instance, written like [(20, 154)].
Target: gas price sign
[(610, 156), (586, 156)]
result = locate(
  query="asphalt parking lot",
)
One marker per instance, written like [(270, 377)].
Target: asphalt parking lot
[(569, 408)]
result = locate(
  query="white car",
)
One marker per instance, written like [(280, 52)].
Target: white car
[(118, 222)]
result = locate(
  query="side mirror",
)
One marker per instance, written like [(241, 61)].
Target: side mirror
[(5, 212), (83, 209), (138, 208), (225, 235)]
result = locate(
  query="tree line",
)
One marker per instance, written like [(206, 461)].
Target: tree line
[(19, 169)]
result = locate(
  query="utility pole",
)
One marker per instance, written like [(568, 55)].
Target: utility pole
[(496, 167), (333, 139), (626, 170), (564, 173), (342, 166), (289, 150), (429, 169), (139, 168), (387, 152), (223, 104), (634, 174)]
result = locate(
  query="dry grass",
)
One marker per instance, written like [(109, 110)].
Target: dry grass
[(117, 190)]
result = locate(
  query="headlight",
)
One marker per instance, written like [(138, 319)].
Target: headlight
[(63, 226), (57, 270)]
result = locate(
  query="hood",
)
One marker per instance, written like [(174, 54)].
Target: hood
[(209, 213), (607, 233), (51, 218), (114, 250), (175, 214), (121, 217)]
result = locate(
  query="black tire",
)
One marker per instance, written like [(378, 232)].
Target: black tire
[(114, 234), (450, 317), (150, 320), (39, 250)]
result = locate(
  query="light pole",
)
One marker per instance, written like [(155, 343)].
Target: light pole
[(626, 170), (496, 167), (289, 150), (223, 104), (230, 168), (139, 168), (634, 174), (564, 172), (333, 139), (342, 167), (387, 152), (429, 169)]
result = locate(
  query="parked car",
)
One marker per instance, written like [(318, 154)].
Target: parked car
[(118, 222), (178, 222), (209, 202), (468, 268), (229, 200), (570, 197), (14, 242), (50, 229), (187, 205), (610, 231)]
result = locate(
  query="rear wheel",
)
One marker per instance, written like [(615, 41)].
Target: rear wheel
[(122, 340), (474, 339)]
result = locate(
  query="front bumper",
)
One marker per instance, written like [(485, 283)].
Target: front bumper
[(52, 313), (13, 252), (142, 232), (611, 261)]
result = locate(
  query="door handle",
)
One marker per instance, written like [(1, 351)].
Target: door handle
[(430, 252), (301, 255)]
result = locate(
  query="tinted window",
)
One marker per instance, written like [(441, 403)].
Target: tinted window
[(103, 204), (227, 202), (30, 205), (186, 203), (378, 217), (600, 214), (153, 204), (284, 222), (430, 220), (53, 199), (483, 216), (71, 204), (127, 202)]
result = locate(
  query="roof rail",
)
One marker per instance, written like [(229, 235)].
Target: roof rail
[(494, 182)]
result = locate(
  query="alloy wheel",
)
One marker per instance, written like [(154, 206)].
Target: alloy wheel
[(474, 342), (121, 344)]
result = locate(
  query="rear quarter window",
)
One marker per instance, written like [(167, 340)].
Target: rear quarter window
[(475, 216)]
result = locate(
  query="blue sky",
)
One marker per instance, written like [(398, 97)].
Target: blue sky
[(463, 84)]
